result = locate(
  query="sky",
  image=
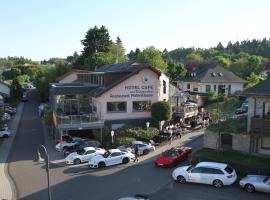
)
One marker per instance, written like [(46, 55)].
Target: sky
[(41, 29)]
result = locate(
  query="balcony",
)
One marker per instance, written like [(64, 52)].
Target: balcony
[(260, 126), (85, 121)]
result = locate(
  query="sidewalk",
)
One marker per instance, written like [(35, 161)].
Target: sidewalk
[(57, 158), (7, 188)]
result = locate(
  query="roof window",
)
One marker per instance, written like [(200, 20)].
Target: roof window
[(220, 74), (214, 74)]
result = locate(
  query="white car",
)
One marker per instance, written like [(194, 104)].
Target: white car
[(4, 133), (212, 173), (83, 155), (6, 116), (258, 183), (111, 157), (143, 148), (61, 146)]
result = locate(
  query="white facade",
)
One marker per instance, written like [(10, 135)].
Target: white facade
[(259, 107), (206, 87), (146, 86)]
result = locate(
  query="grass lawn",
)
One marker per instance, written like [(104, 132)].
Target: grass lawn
[(228, 106), (233, 157)]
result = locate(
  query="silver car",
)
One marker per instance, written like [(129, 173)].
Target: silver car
[(258, 183), (143, 148)]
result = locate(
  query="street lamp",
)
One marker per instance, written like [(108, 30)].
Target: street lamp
[(112, 134), (147, 125), (40, 159)]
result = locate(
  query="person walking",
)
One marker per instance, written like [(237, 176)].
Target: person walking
[(170, 135), (136, 151)]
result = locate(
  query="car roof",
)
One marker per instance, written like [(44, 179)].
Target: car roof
[(114, 150), (137, 142), (88, 148), (212, 164)]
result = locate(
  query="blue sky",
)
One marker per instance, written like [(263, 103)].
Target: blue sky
[(40, 29)]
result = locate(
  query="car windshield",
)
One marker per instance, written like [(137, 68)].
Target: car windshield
[(229, 169), (266, 179), (106, 154), (169, 153), (81, 151)]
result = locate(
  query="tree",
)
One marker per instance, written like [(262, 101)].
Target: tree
[(23, 79), (12, 73), (15, 90), (152, 56), (161, 111), (220, 47), (97, 60), (221, 61), (96, 40), (133, 55), (193, 60), (253, 80), (118, 51), (194, 57), (176, 70)]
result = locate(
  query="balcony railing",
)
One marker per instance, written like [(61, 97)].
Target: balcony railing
[(260, 126), (77, 119)]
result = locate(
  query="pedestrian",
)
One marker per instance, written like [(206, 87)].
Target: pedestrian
[(136, 151), (170, 132)]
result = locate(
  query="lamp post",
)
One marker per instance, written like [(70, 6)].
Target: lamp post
[(112, 134), (147, 125), (40, 159)]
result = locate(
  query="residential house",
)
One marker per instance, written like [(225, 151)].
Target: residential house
[(259, 117), (206, 78)]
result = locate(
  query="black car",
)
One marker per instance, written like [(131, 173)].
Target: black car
[(242, 110)]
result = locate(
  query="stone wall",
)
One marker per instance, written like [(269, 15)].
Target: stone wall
[(240, 142)]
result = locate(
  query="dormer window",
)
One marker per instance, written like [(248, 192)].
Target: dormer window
[(214, 74), (220, 74)]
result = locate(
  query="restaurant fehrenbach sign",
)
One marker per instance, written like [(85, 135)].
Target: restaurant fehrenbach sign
[(132, 91)]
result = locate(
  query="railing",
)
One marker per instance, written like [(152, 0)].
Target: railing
[(260, 125), (77, 119)]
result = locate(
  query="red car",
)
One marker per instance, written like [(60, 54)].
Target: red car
[(173, 156)]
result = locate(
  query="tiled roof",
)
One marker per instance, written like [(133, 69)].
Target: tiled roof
[(212, 74), (261, 89), (69, 89)]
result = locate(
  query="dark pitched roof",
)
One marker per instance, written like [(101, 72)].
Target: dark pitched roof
[(133, 68), (69, 89), (261, 89), (204, 74), (117, 73)]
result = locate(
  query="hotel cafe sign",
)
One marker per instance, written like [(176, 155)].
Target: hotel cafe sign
[(131, 91)]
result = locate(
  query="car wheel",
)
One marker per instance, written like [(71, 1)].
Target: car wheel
[(77, 161), (125, 160), (5, 136), (145, 151), (217, 183), (249, 188), (180, 179), (101, 164)]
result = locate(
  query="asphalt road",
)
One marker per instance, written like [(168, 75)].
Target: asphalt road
[(80, 182), (189, 191)]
